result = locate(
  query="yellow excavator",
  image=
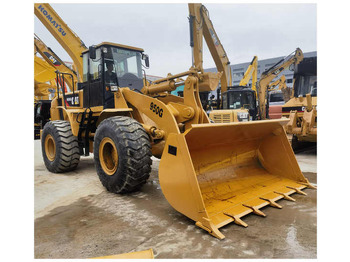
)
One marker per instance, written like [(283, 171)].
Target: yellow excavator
[(290, 61), (240, 168)]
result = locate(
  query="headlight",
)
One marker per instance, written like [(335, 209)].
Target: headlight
[(114, 88)]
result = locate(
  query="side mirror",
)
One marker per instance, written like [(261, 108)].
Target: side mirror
[(146, 58), (92, 52)]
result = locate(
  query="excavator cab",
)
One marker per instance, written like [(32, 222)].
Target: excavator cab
[(240, 97), (108, 67), (238, 105)]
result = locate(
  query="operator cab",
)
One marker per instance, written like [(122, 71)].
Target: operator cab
[(108, 67), (238, 97), (305, 78)]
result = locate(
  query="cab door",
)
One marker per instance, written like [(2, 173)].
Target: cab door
[(93, 84)]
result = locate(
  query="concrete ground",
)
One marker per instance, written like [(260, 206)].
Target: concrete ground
[(75, 217)]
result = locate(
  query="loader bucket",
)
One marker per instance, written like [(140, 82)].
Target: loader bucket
[(217, 173)]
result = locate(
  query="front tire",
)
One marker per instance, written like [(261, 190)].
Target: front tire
[(60, 148), (122, 154)]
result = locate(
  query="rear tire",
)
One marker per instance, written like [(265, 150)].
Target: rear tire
[(122, 154), (60, 148)]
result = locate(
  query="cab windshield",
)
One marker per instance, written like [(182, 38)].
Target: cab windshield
[(123, 68), (237, 100)]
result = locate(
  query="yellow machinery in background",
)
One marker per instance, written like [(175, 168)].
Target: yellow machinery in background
[(251, 73), (280, 83), (55, 62), (43, 72), (202, 27), (45, 80), (267, 76), (257, 110), (237, 103), (212, 173), (73, 45), (302, 107), (240, 100)]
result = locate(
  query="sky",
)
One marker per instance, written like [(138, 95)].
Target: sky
[(162, 30)]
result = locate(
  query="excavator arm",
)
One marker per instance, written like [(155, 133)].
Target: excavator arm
[(201, 26), (73, 45), (281, 83), (267, 76)]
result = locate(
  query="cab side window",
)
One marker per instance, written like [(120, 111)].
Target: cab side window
[(95, 66)]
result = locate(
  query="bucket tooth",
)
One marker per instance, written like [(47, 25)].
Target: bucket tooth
[(256, 211), (271, 202), (297, 190), (212, 230), (237, 220), (285, 196), (308, 184)]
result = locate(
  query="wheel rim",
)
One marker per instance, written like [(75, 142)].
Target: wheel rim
[(108, 156), (50, 147)]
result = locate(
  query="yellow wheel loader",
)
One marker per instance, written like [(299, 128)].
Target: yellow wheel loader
[(212, 173)]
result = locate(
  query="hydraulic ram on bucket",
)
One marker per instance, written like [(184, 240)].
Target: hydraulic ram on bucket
[(217, 173)]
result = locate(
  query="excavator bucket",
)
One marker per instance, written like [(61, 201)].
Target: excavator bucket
[(217, 173)]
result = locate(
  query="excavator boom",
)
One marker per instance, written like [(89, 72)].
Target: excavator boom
[(73, 45), (201, 26)]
